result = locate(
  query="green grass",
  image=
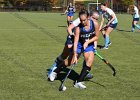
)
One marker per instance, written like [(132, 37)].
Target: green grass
[(30, 42)]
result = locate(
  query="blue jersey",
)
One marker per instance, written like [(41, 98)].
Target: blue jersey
[(85, 35), (71, 11)]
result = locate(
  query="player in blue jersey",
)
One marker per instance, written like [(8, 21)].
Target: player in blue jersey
[(68, 45), (111, 24), (70, 13), (85, 35), (89, 33), (135, 13)]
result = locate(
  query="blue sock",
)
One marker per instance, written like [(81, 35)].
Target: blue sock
[(137, 26), (106, 41)]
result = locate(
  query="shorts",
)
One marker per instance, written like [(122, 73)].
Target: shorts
[(80, 48), (70, 14), (113, 25), (135, 19)]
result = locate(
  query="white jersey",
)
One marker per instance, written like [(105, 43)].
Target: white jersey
[(136, 15), (107, 14), (76, 22)]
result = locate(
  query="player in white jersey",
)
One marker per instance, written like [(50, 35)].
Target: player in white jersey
[(108, 14), (135, 15)]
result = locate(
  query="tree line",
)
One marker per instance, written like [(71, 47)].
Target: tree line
[(48, 4)]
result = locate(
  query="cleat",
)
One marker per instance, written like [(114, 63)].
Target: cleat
[(53, 76), (88, 76), (109, 43), (53, 67), (80, 85), (104, 47)]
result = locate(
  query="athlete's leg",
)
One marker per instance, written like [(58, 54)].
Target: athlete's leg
[(66, 51), (64, 54), (107, 40), (89, 57), (133, 26), (60, 58), (64, 64), (136, 25), (108, 31), (68, 20)]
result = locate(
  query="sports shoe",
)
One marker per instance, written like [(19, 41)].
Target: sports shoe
[(53, 76), (104, 47), (53, 67), (88, 76), (109, 43), (80, 85)]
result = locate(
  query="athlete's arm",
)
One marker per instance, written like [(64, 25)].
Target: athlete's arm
[(71, 26), (74, 9), (76, 39), (113, 18), (112, 14), (66, 11), (69, 29)]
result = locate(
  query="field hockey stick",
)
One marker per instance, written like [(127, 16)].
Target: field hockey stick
[(106, 62), (103, 28), (62, 87)]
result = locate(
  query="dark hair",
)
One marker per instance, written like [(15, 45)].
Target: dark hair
[(104, 4), (83, 12), (69, 4)]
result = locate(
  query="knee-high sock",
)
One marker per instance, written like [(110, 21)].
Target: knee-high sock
[(133, 26), (59, 67), (137, 26), (84, 72), (106, 41)]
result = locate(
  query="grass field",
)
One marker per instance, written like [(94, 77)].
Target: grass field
[(30, 42)]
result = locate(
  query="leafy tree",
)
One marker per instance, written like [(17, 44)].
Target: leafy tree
[(127, 2)]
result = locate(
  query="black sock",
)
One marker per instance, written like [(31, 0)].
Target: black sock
[(58, 61), (59, 67), (84, 72)]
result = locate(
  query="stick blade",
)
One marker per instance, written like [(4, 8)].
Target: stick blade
[(113, 69), (61, 87), (114, 74)]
